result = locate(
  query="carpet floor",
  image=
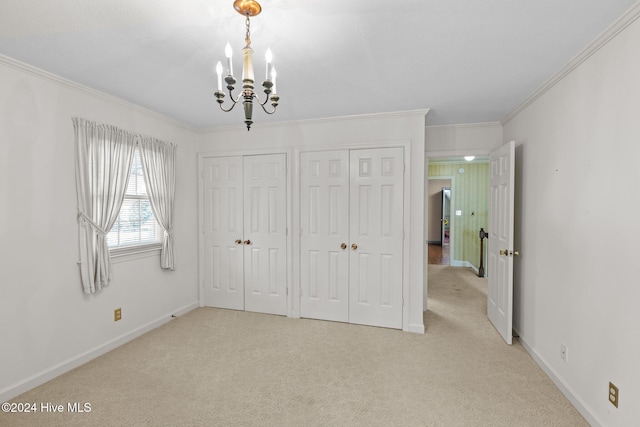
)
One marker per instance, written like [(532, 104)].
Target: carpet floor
[(220, 367)]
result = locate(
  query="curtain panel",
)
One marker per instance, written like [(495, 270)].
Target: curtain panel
[(159, 169), (103, 160)]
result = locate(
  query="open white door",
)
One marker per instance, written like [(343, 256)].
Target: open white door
[(500, 243)]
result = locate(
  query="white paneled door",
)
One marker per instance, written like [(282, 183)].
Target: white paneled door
[(376, 233), (265, 233), (351, 211), (244, 209), (223, 232), (324, 222), (501, 251)]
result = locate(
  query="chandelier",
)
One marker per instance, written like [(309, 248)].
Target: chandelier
[(247, 8)]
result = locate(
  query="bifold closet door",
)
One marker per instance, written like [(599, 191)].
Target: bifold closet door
[(245, 246), (223, 232), (324, 222), (265, 233), (376, 232)]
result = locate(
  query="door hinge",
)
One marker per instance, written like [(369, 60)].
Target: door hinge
[(286, 291)]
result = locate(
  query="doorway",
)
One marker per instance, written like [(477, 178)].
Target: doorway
[(440, 232), (445, 217)]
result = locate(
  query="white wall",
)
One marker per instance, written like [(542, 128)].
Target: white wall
[(48, 324), (578, 230), (403, 127), (477, 139)]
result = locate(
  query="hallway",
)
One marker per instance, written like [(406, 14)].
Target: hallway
[(438, 255)]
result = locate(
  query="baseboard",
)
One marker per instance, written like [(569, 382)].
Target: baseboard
[(416, 328), (61, 368), (560, 383), (467, 264)]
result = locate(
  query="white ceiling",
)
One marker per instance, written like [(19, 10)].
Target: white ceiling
[(468, 60)]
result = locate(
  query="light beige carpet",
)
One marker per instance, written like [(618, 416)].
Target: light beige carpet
[(220, 367)]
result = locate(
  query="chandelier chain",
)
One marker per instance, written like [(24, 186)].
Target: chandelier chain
[(247, 38)]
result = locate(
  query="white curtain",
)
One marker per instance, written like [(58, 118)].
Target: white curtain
[(103, 160), (159, 167)]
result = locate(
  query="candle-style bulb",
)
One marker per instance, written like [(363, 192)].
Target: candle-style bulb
[(269, 57), (219, 72), (229, 53), (273, 79)]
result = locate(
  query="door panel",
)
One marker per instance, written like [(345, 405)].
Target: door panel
[(265, 237), (376, 236), (222, 208), (500, 242), (324, 222)]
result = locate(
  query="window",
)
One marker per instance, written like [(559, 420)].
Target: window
[(136, 225)]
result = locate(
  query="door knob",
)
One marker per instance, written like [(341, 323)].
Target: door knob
[(238, 242), (504, 252), (343, 245), (247, 242), (354, 246), (514, 253)]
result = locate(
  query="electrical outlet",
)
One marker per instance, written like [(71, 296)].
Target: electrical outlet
[(117, 314), (563, 352), (613, 394)]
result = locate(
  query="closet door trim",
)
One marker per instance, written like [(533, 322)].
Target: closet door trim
[(294, 291), (289, 237)]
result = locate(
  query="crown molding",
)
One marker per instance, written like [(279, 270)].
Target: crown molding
[(614, 29), (323, 120), (466, 125), (70, 84)]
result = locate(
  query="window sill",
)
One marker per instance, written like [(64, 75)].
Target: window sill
[(134, 252)]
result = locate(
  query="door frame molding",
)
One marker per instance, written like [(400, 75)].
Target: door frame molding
[(294, 294), (200, 179)]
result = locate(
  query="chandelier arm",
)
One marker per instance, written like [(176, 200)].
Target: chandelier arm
[(265, 110), (255, 95), (235, 101), (262, 104), (220, 100), (226, 110)]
